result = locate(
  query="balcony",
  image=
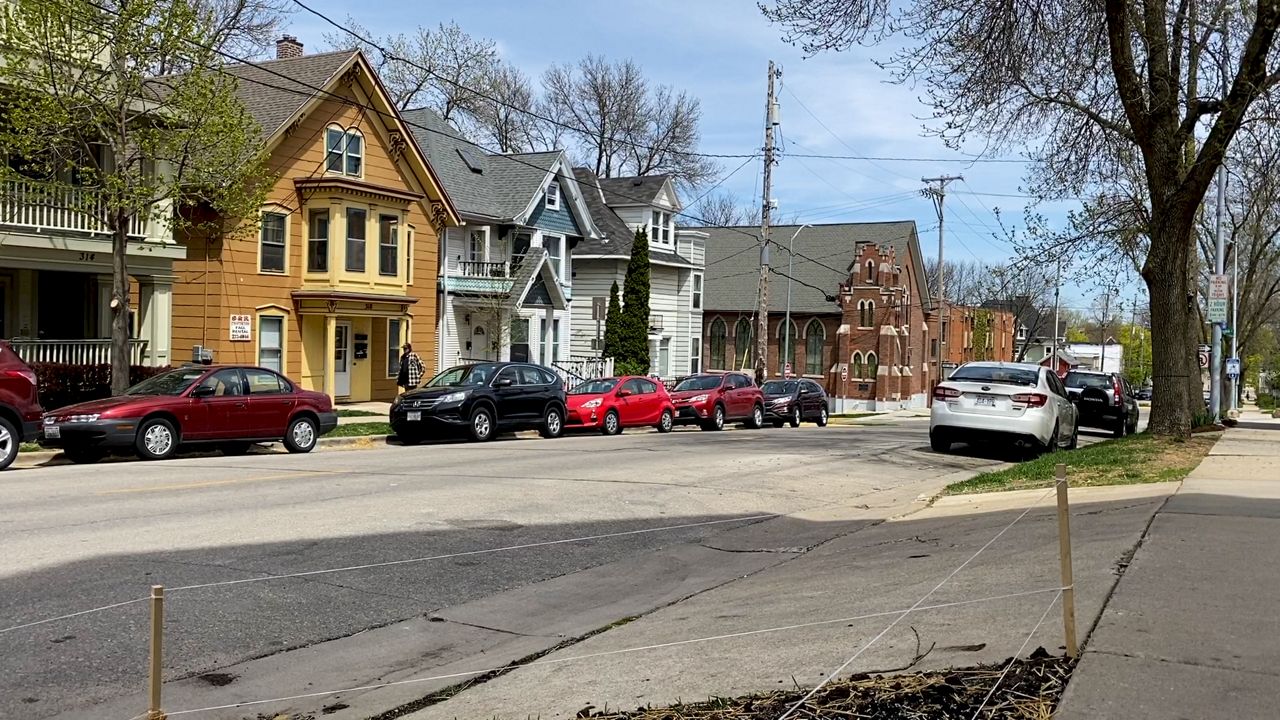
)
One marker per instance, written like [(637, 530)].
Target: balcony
[(476, 269), (51, 207), (75, 352)]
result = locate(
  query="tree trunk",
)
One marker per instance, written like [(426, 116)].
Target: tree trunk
[(1171, 297), (120, 305)]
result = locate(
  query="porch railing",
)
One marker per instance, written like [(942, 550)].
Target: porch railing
[(75, 352), (578, 369), (55, 207), (474, 268)]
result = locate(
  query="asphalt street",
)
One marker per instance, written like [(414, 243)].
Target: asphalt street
[(83, 537)]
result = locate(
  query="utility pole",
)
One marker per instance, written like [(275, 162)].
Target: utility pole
[(939, 197), (1057, 309), (762, 309), (1235, 318), (1219, 256), (1102, 331)]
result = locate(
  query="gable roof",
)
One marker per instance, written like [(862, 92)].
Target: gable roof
[(637, 190), (617, 238), (733, 263), (273, 100)]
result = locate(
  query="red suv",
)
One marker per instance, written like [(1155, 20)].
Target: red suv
[(19, 405), (713, 400)]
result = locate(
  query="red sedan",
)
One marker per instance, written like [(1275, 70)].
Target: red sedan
[(611, 404), (229, 407)]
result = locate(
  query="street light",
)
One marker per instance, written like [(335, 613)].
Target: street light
[(786, 322)]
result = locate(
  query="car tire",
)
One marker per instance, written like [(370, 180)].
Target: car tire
[(409, 438), (717, 420), (8, 443), (552, 423), (302, 435), (83, 455), (756, 421), (795, 417), (939, 442), (234, 448), (157, 439), (1055, 439), (823, 417), (481, 426), (1118, 432), (666, 422), (611, 425)]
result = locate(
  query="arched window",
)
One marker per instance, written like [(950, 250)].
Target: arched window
[(856, 370), (871, 271), (718, 332), (862, 312), (789, 343), (873, 365), (742, 338), (815, 339), (869, 314), (344, 151)]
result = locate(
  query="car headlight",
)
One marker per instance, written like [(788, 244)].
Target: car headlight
[(699, 398), (781, 401), (453, 397), (588, 405), (84, 418)]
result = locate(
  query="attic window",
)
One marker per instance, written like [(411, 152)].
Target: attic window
[(553, 195), (472, 160)]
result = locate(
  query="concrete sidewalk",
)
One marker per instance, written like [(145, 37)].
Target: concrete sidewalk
[(1192, 630)]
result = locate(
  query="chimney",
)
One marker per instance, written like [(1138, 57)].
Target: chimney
[(288, 47)]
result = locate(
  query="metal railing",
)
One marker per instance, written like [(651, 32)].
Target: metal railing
[(51, 206), (75, 352), (579, 369)]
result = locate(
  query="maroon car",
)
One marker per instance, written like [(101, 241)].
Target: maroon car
[(229, 407), (19, 405), (712, 400)]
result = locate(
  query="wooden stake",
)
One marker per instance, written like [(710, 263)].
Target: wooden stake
[(1064, 556), (157, 642)]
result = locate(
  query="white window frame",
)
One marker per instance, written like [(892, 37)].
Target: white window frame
[(695, 353), (394, 344), (343, 152), (553, 195), (695, 300), (394, 244), (347, 240), (283, 341), (313, 240), (562, 245), (660, 230)]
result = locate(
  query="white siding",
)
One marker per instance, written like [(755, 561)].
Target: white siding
[(594, 279)]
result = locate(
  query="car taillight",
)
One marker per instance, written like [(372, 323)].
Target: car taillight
[(945, 393), (1115, 386), (1030, 399)]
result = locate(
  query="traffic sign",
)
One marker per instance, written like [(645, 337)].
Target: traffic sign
[(786, 371), (1233, 367), (1217, 310), (1203, 353), (1219, 287), (844, 372)]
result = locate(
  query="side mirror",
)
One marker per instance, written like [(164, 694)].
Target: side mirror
[(624, 393), (503, 382), (203, 391)]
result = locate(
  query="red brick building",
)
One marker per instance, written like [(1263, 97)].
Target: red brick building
[(977, 333)]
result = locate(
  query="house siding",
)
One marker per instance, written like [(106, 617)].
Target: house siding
[(559, 221), (594, 279)]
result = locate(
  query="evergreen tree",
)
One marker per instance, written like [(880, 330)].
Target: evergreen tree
[(633, 338), (612, 324)]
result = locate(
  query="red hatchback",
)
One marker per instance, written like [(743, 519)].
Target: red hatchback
[(712, 400), (611, 404), (19, 405), (228, 407)]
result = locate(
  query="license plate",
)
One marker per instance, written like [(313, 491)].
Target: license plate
[(985, 401), (52, 431), (415, 415)]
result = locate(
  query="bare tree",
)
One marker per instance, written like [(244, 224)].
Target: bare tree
[(669, 132), (968, 282), (1085, 84), (504, 120), (239, 28), (724, 210)]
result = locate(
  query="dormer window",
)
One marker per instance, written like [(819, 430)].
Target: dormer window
[(660, 227), (553, 195), (344, 151)]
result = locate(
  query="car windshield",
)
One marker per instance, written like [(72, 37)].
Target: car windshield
[(699, 382), (170, 383), (1087, 380), (595, 387), (464, 376), (778, 387), (996, 374)]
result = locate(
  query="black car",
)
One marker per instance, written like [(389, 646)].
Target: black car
[(794, 401), (481, 400), (1104, 400)]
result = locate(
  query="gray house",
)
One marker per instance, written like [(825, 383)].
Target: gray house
[(506, 274)]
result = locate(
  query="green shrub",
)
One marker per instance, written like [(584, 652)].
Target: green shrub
[(1266, 401), (62, 385)]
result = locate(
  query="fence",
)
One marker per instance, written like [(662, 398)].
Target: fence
[(75, 352), (51, 206)]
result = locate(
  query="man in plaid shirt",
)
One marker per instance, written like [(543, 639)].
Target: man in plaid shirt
[(410, 368)]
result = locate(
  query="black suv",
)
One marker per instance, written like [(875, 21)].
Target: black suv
[(794, 401), (1104, 400), (481, 400)]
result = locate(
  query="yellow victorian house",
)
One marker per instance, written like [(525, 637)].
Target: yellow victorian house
[(340, 269)]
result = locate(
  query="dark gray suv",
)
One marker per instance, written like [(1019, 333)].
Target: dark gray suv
[(1104, 400)]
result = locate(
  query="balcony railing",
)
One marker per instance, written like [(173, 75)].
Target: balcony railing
[(45, 207), (578, 368), (75, 352), (474, 268)]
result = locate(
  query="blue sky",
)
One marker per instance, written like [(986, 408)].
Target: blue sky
[(718, 50)]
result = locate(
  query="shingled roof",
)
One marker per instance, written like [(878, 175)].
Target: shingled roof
[(618, 237), (638, 190), (272, 99), (823, 256)]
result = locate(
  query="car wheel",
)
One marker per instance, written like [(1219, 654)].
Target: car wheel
[(717, 419), (1119, 429), (939, 442), (301, 435), (83, 455), (234, 448), (666, 422), (1075, 438), (1054, 441), (8, 443), (552, 423), (757, 418), (822, 417), (795, 417), (611, 425), (157, 439), (481, 427)]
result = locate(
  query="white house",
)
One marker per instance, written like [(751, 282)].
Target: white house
[(677, 258), (1092, 356)]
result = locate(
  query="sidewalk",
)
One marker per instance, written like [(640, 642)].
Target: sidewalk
[(1192, 630)]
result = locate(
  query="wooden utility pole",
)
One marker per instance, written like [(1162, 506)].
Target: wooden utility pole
[(762, 308), (939, 197)]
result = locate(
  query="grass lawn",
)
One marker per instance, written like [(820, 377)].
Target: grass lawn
[(359, 429), (1128, 461), (29, 447), (358, 413)]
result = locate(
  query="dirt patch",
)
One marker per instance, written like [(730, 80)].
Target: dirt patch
[(1030, 691), (218, 679)]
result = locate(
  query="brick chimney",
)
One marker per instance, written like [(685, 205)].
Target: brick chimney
[(288, 47)]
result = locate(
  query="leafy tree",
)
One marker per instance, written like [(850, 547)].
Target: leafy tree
[(633, 336), (613, 324), (1138, 115), (83, 106)]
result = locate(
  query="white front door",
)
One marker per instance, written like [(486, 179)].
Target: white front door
[(342, 360)]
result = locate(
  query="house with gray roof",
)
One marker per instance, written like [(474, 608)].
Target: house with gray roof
[(506, 275), (620, 207)]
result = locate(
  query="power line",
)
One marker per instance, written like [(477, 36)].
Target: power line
[(888, 158)]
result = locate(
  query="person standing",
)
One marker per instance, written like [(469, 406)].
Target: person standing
[(411, 369)]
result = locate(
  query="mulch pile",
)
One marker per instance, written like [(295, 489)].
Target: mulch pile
[(1030, 691)]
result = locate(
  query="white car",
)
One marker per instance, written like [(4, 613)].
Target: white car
[(1017, 403)]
